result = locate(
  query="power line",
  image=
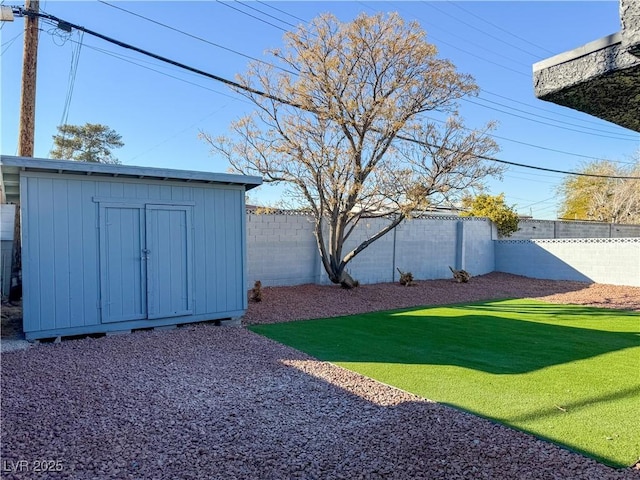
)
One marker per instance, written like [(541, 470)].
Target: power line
[(282, 11), (579, 174), (555, 150), (455, 4), (73, 70), (22, 12), (9, 43), (124, 58), (431, 5), (594, 122), (540, 201), (166, 139), (557, 121), (440, 41), (533, 145), (546, 123), (268, 15), (194, 36), (252, 16)]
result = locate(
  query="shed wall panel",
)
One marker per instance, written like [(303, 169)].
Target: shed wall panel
[(233, 255), (220, 246), (47, 252), (76, 257), (200, 277), (214, 283), (90, 256), (62, 209)]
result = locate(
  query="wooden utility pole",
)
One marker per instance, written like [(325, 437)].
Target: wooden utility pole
[(26, 132)]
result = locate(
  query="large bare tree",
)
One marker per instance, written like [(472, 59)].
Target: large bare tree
[(343, 124)]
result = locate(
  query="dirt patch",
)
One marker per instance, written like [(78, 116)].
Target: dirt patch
[(281, 304), (11, 326)]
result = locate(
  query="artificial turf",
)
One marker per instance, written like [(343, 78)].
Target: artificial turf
[(568, 374)]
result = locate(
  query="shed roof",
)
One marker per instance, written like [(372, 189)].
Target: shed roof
[(12, 166)]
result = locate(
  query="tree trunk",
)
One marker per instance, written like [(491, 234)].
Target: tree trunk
[(339, 276), (346, 281)]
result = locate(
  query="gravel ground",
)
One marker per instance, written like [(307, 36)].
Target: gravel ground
[(316, 301), (223, 403)]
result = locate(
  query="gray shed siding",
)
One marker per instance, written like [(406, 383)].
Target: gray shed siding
[(84, 241)]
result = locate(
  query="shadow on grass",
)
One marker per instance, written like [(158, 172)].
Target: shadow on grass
[(501, 338), (556, 311), (630, 392), (589, 451)]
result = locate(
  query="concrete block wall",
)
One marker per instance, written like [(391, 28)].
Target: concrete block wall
[(625, 231), (612, 261), (281, 249), (528, 229), (582, 230), (375, 263), (478, 246), (533, 229), (426, 248)]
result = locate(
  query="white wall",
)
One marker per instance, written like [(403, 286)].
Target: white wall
[(282, 250), (614, 261), (7, 215)]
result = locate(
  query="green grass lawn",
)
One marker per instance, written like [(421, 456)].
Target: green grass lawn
[(568, 374)]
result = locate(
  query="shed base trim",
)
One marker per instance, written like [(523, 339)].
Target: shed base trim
[(114, 327)]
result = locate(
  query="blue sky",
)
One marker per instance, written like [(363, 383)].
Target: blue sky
[(159, 109)]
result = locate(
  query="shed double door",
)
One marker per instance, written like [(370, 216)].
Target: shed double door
[(145, 262)]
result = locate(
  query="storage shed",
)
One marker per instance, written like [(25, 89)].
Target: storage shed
[(113, 247)]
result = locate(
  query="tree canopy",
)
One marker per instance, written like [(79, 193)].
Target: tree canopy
[(344, 125), (603, 199), (90, 142), (494, 208)]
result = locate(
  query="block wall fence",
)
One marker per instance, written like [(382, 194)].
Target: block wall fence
[(533, 229), (282, 250), (614, 261)]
